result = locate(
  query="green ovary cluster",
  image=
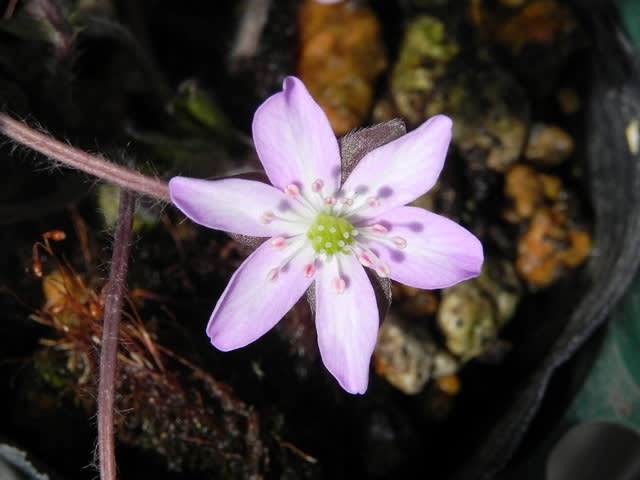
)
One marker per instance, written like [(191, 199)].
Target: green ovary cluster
[(331, 235)]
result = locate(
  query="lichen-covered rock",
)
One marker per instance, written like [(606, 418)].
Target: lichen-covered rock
[(407, 356), (436, 73), (472, 313), (467, 320), (422, 63)]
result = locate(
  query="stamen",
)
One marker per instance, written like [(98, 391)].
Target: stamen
[(267, 217), (365, 256), (383, 270), (379, 229), (339, 285), (279, 243), (330, 201), (317, 185), (309, 270), (273, 274), (366, 259), (373, 202), (347, 201), (296, 245), (291, 217), (399, 242), (292, 190)]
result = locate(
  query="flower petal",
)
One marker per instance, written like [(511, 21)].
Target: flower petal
[(232, 204), (438, 253), (252, 303), (294, 139), (347, 322), (400, 171)]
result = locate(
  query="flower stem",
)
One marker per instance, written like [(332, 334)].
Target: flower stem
[(74, 158), (110, 335)]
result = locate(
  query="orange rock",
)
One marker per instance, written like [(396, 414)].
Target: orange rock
[(341, 56), (528, 190), (539, 22), (551, 186), (548, 248), (580, 247), (523, 186), (449, 384)]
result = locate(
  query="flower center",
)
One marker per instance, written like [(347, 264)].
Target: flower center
[(330, 235)]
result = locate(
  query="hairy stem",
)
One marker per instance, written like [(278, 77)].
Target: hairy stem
[(110, 334), (77, 159)]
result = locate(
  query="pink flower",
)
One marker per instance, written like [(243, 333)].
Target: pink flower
[(321, 233)]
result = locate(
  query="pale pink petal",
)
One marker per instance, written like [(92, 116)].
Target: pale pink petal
[(233, 205), (347, 322), (400, 171), (438, 252), (253, 302), (294, 139)]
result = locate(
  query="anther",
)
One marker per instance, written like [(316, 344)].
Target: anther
[(347, 201), (379, 229), (366, 259), (373, 202), (267, 217), (309, 270), (330, 200), (399, 242), (317, 185), (383, 270), (273, 274), (339, 285), (292, 190), (279, 243)]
